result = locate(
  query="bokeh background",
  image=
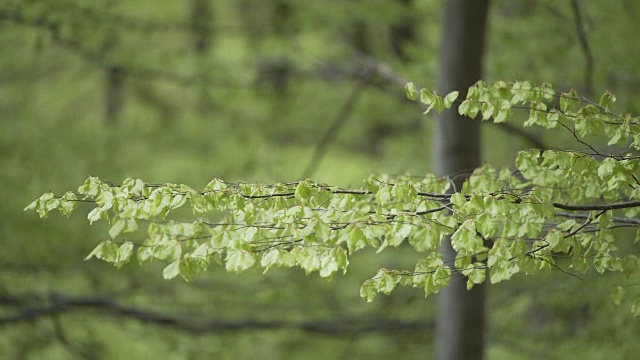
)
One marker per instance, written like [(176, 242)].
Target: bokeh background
[(184, 91)]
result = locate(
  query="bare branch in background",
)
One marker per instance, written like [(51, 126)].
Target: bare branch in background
[(385, 72), (533, 140), (338, 122), (59, 305)]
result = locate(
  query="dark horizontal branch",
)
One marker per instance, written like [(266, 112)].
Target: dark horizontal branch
[(337, 327), (603, 207), (266, 196)]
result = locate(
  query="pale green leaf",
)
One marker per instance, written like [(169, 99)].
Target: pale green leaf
[(635, 307), (617, 295), (458, 199), (172, 270), (239, 260), (450, 98), (412, 92), (369, 290)]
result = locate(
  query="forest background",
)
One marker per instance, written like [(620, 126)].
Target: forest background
[(184, 91)]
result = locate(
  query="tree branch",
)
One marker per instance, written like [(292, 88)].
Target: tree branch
[(603, 207), (386, 73), (339, 121), (60, 304)]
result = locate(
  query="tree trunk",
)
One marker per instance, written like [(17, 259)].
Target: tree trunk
[(201, 17), (114, 88), (201, 21), (461, 321), (403, 30)]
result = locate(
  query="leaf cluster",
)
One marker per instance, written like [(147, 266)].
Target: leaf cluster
[(557, 209)]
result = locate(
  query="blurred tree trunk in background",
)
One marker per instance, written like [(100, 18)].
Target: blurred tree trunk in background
[(403, 31), (357, 35), (114, 88), (461, 321), (201, 18), (201, 27), (114, 79), (277, 71)]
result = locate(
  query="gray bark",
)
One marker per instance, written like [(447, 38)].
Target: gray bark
[(461, 320)]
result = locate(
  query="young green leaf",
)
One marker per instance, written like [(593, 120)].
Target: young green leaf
[(412, 92)]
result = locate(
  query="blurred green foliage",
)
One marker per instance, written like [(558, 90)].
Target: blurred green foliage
[(188, 114)]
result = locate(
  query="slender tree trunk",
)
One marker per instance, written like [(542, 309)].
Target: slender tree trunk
[(201, 16), (461, 320), (201, 21), (403, 30), (114, 99)]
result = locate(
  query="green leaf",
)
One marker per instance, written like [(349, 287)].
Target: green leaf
[(617, 295), (322, 230), (91, 186), (383, 196), (450, 98), (303, 192), (459, 200), (356, 239), (465, 240), (607, 168), (191, 266), (328, 264), (429, 98), (124, 254), (68, 203), (239, 260), (94, 215), (554, 238), (106, 251), (464, 107), (487, 110), (270, 258), (133, 186), (387, 281), (635, 307), (501, 116), (116, 228), (412, 92), (425, 238), (569, 101), (469, 108), (476, 276), (369, 290), (579, 264), (172, 270), (607, 99)]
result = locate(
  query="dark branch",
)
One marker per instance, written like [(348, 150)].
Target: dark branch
[(533, 140), (603, 207), (59, 305)]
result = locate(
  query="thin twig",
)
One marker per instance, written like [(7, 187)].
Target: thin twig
[(338, 122)]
